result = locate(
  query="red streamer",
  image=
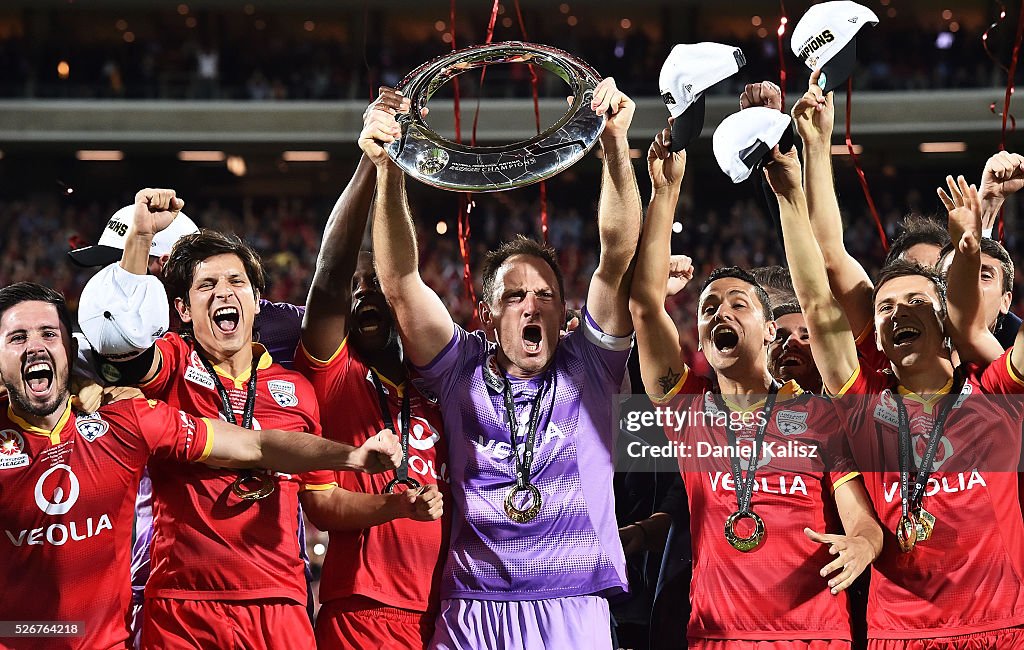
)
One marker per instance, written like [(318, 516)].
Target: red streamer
[(860, 172), (536, 115), (465, 200), (1010, 77), (483, 70), (783, 21)]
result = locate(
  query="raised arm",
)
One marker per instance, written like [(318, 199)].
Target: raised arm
[(832, 342), (328, 305), (1003, 176), (125, 287), (618, 216), (294, 453), (661, 364), (814, 114), (423, 320), (968, 326)]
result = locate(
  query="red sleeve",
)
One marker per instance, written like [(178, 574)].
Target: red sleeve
[(166, 431), (326, 376), (999, 377), (174, 352), (840, 465), (867, 350)]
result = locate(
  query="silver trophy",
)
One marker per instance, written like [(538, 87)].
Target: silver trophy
[(437, 161)]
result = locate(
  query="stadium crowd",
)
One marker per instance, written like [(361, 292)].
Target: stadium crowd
[(839, 418)]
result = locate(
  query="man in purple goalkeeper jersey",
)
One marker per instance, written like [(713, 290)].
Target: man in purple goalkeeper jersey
[(534, 548)]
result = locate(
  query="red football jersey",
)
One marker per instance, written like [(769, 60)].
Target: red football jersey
[(775, 591), (397, 563), (209, 544), (67, 502), (868, 352), (969, 577)]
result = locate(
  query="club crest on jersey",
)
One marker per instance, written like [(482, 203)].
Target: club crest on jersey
[(12, 450), (885, 410), (283, 392), (91, 426), (791, 423)]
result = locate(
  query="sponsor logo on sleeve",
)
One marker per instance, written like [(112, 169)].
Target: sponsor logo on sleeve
[(12, 450), (199, 376)]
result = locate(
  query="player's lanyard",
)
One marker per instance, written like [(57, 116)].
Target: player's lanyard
[(525, 463), (916, 523), (745, 486), (263, 484), (405, 422)]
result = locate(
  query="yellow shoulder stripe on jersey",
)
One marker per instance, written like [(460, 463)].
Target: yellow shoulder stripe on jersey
[(320, 362), (53, 434), (209, 440), (674, 390), (1013, 373), (848, 385), (314, 487), (845, 479)]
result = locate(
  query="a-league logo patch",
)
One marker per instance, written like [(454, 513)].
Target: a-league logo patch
[(12, 450), (421, 385), (885, 410), (91, 427), (283, 392), (791, 423)]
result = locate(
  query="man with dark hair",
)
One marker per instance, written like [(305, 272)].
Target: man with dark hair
[(743, 412), (250, 584), (535, 548), (776, 282), (920, 240), (387, 538), (919, 416), (996, 283), (789, 355), (70, 535)]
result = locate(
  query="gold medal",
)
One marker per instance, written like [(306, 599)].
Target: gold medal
[(523, 515), (744, 544), (925, 524), (906, 532), (262, 486)]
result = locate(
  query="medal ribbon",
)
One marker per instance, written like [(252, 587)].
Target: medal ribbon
[(524, 464), (913, 501), (225, 400), (405, 422), (745, 486)]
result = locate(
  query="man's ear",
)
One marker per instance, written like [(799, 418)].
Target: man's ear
[(771, 330), (256, 295), (1005, 302), (183, 311), (486, 317)]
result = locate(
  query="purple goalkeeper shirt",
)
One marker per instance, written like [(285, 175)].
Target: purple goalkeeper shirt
[(572, 547)]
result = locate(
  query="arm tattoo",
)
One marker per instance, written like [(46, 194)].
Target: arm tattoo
[(669, 380)]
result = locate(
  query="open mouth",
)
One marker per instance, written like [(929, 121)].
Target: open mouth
[(226, 319), (790, 360), (369, 319), (905, 335), (38, 376), (532, 337), (725, 338)]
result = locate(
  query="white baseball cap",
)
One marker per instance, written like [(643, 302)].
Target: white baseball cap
[(689, 70), (122, 313), (743, 139), (111, 244), (825, 38)]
